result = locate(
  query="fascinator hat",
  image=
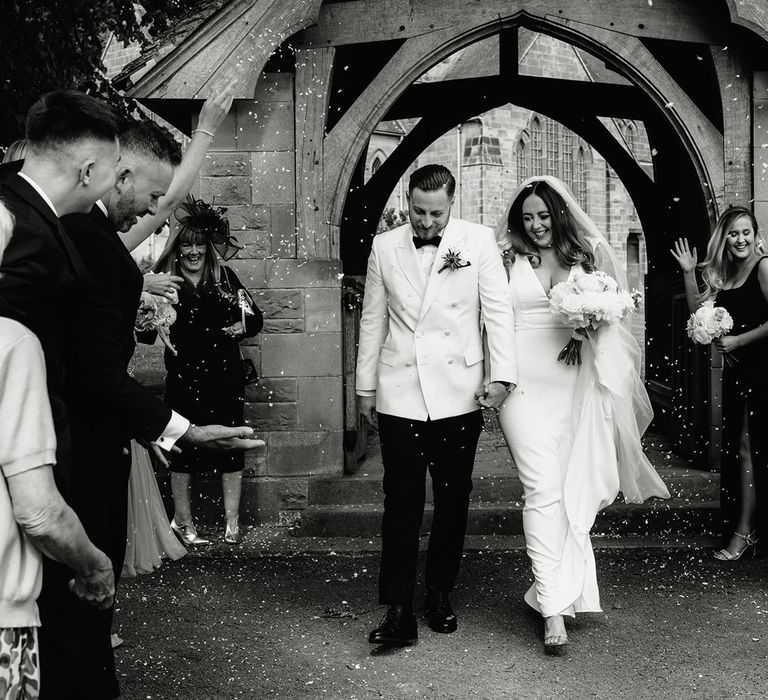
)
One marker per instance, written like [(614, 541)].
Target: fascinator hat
[(200, 217)]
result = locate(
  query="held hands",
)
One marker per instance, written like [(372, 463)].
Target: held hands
[(216, 108), (492, 395), (367, 407), (685, 258), (220, 437), (97, 587), (162, 284)]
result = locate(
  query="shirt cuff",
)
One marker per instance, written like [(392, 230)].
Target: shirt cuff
[(366, 392), (177, 426)]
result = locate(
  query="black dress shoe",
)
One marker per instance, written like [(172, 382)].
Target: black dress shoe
[(439, 613), (398, 627)]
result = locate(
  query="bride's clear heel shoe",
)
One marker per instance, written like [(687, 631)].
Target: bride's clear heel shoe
[(750, 540), (555, 637)]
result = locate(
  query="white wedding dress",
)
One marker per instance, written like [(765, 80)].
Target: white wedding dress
[(574, 434), (537, 421)]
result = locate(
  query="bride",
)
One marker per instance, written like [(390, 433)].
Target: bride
[(573, 430)]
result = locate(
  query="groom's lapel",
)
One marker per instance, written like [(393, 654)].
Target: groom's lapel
[(453, 239), (406, 257)]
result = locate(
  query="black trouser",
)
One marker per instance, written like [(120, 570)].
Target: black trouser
[(409, 447), (76, 658)]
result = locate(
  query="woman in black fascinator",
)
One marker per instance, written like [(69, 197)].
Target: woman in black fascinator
[(207, 374)]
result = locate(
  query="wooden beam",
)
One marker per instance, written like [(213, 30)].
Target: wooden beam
[(509, 53), (701, 138), (348, 137), (606, 99), (734, 76), (313, 77), (751, 14), (366, 21), (235, 42)]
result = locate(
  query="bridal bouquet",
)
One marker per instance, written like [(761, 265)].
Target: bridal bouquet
[(588, 300), (708, 323), (156, 313)]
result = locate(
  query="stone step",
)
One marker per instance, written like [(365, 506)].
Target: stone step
[(358, 489), (655, 518)]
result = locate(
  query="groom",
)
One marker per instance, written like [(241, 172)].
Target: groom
[(421, 379)]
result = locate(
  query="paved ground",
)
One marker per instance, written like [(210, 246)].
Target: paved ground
[(233, 623)]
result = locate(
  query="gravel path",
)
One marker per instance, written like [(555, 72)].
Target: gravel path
[(676, 625)]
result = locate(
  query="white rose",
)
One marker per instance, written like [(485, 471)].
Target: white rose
[(589, 283), (701, 336)]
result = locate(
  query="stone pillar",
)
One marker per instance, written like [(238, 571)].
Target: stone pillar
[(297, 405)]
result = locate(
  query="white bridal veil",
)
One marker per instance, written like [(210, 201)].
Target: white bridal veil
[(611, 406)]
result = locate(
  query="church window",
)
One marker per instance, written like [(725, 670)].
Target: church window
[(522, 161), (580, 180), (537, 150)]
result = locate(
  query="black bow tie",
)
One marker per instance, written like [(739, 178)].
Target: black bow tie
[(420, 242)]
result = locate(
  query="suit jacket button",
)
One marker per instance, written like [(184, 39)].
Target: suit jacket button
[(450, 362), (446, 333), (408, 364), (454, 304)]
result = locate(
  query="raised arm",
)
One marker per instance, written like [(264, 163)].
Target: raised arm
[(687, 260), (212, 114)]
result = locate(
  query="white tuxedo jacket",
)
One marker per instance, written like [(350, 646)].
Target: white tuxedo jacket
[(421, 347)]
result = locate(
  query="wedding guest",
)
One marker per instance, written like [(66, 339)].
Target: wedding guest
[(106, 405), (570, 460), (735, 277), (420, 378), (72, 150), (205, 378), (33, 516)]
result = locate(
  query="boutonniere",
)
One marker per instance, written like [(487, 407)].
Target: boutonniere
[(452, 261)]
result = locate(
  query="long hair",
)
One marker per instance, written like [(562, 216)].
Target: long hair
[(570, 245), (170, 258), (718, 264)]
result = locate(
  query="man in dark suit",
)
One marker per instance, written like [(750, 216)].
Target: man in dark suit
[(44, 284), (70, 162)]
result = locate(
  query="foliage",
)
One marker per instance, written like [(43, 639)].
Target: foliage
[(391, 219), (56, 44)]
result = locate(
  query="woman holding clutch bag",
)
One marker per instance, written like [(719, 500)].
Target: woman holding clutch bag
[(205, 380)]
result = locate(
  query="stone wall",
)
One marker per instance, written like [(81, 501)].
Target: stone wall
[(297, 405)]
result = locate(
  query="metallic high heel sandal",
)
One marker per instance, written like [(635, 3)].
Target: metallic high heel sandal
[(187, 534), (232, 536), (555, 644), (750, 540)]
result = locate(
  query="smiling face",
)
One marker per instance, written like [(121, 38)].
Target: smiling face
[(537, 221), (192, 252), (740, 238), (429, 212)]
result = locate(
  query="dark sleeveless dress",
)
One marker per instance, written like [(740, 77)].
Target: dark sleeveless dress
[(745, 386)]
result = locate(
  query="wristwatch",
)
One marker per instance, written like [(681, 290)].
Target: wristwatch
[(505, 384)]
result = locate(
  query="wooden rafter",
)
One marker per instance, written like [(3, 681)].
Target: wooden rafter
[(235, 42), (365, 21)]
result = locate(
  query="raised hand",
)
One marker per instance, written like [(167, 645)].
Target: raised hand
[(220, 437), (216, 108), (685, 258)]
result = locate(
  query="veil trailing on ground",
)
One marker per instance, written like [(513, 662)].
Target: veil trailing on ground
[(611, 406)]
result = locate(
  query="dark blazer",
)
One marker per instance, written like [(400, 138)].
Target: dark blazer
[(40, 275), (108, 406)]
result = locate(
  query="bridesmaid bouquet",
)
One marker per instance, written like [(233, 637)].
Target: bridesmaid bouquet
[(587, 301), (709, 322), (156, 313)]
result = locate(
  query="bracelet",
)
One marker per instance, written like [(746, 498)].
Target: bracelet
[(203, 131)]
